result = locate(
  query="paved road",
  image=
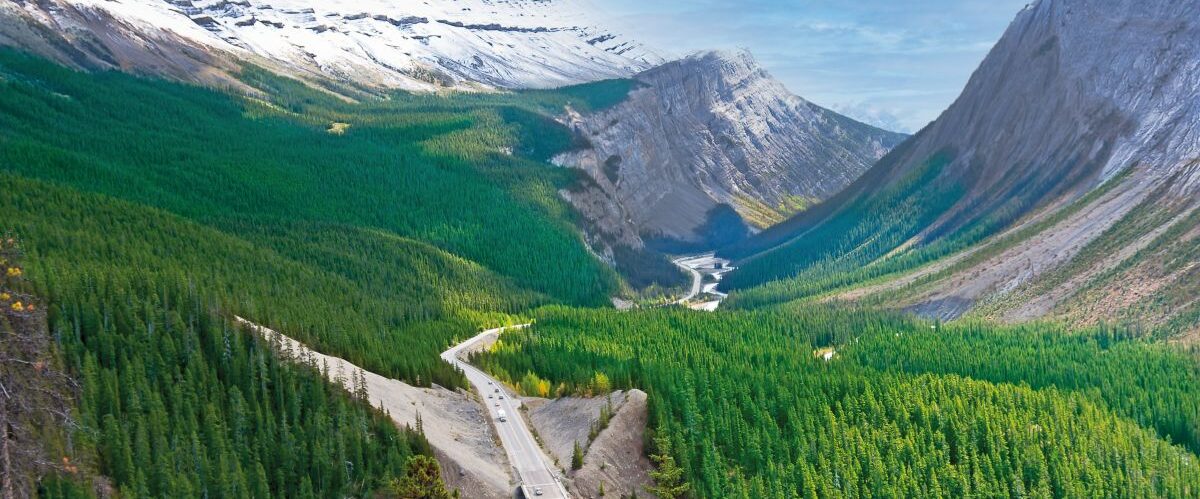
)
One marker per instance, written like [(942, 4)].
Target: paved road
[(697, 277), (532, 467), (699, 266)]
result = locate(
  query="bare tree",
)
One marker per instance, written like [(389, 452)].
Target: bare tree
[(35, 392)]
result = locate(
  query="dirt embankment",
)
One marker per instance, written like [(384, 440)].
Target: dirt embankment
[(615, 458), (455, 424)]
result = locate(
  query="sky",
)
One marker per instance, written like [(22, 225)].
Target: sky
[(894, 64)]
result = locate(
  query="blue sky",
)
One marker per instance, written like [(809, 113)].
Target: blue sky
[(891, 63)]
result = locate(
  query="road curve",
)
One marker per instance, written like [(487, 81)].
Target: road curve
[(532, 467), (697, 278)]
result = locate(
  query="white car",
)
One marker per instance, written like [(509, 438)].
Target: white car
[(537, 491)]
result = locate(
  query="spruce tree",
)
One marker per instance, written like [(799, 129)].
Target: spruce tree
[(668, 476), (577, 456), (422, 480)]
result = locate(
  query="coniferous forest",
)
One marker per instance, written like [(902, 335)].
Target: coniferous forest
[(904, 408), (140, 217), (151, 213)]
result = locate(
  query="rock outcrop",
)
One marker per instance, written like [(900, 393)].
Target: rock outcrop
[(707, 142), (616, 457)]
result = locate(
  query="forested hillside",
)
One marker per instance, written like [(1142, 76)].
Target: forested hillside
[(151, 213), (139, 217), (169, 400), (414, 218), (847, 245), (904, 408)]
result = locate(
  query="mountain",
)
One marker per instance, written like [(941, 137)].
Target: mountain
[(707, 142), (1069, 166), (369, 44), (706, 150)]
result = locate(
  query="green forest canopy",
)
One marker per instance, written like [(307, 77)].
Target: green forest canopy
[(413, 227), (151, 212), (904, 409)]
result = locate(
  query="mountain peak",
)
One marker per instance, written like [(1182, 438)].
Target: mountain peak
[(738, 62), (726, 56), (713, 134), (372, 43)]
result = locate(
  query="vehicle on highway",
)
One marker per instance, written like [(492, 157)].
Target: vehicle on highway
[(537, 491), (501, 416), (501, 397), (489, 395), (497, 390)]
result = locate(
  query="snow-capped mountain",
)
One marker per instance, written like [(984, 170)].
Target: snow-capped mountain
[(412, 45)]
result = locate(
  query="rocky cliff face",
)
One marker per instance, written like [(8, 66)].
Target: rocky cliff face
[(416, 46), (708, 141), (1077, 141), (1120, 97), (1073, 94)]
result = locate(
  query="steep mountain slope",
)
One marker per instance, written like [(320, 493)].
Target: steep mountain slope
[(705, 134), (362, 44), (734, 146), (380, 243), (1082, 120)]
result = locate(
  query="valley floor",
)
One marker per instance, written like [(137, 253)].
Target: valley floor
[(706, 271)]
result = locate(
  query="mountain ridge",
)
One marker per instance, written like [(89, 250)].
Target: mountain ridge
[(1081, 117), (376, 45), (707, 140)]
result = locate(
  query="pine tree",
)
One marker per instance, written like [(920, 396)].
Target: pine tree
[(668, 476), (577, 456), (422, 480)]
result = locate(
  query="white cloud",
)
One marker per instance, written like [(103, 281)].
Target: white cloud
[(875, 116)]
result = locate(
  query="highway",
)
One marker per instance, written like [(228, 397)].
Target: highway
[(699, 266), (533, 469), (697, 278)]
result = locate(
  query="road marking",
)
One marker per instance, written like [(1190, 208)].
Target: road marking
[(524, 454)]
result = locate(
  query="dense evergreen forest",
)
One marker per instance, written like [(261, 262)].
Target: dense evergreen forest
[(904, 408), (415, 222), (151, 212), (168, 400)]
